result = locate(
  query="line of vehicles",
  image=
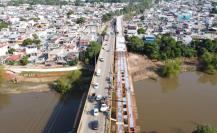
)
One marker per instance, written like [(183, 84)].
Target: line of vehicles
[(100, 102)]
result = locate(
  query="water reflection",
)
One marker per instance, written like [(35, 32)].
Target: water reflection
[(169, 84), (206, 78), (4, 100)]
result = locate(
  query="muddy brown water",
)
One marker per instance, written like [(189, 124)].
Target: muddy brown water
[(37, 112), (175, 105)]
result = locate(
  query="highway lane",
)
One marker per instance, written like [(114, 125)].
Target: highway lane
[(105, 68)]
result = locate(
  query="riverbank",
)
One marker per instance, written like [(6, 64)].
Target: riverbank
[(141, 67), (24, 87)]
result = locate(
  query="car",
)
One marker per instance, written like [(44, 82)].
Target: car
[(101, 59), (103, 107), (108, 50), (95, 111), (105, 44), (95, 125), (96, 85), (99, 97)]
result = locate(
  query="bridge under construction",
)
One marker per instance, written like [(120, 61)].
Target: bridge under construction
[(126, 111)]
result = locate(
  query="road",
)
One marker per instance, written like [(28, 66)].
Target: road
[(105, 68)]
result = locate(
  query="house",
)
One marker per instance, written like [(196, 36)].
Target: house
[(3, 49), (31, 50), (13, 58)]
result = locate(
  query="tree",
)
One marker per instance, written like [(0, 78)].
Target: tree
[(142, 18), (73, 62), (11, 50), (171, 68), (70, 12), (141, 31), (36, 40), (66, 83), (209, 62), (77, 2), (80, 20), (136, 44), (3, 25), (27, 41), (92, 52), (107, 17), (205, 129), (24, 61)]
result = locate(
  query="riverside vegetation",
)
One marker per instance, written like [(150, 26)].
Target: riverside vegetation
[(165, 48)]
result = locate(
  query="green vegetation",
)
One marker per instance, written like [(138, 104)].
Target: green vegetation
[(72, 63), (80, 20), (24, 61), (142, 18), (141, 31), (92, 52), (30, 41), (205, 129), (171, 68), (136, 44), (165, 47), (3, 25), (65, 83), (107, 17), (209, 61), (69, 13), (11, 51), (1, 75)]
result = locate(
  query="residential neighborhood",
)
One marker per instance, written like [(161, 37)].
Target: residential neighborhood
[(50, 35)]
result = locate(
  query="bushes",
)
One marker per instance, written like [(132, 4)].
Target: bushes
[(205, 129), (171, 68), (66, 83)]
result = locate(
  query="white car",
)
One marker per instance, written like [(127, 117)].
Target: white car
[(103, 107), (101, 59), (96, 85), (99, 97), (95, 111)]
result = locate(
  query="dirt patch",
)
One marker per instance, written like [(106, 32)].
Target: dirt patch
[(24, 87), (141, 67)]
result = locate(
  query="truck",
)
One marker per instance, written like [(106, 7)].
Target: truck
[(98, 72)]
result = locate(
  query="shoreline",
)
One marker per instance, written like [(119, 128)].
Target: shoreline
[(140, 67)]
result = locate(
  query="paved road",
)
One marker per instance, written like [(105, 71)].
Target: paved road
[(105, 67)]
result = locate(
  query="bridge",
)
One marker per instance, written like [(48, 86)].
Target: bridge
[(114, 66)]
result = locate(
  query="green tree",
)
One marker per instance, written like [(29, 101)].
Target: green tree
[(73, 62), (142, 18), (11, 50), (107, 17), (67, 82), (80, 20), (141, 31), (171, 68), (24, 61), (27, 41), (136, 44), (3, 25), (92, 51), (205, 129), (70, 12), (209, 62)]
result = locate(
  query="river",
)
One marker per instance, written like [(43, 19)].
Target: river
[(176, 105), (36, 112)]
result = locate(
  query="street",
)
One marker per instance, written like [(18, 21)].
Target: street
[(106, 67)]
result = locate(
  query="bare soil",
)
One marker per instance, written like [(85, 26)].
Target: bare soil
[(141, 67)]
